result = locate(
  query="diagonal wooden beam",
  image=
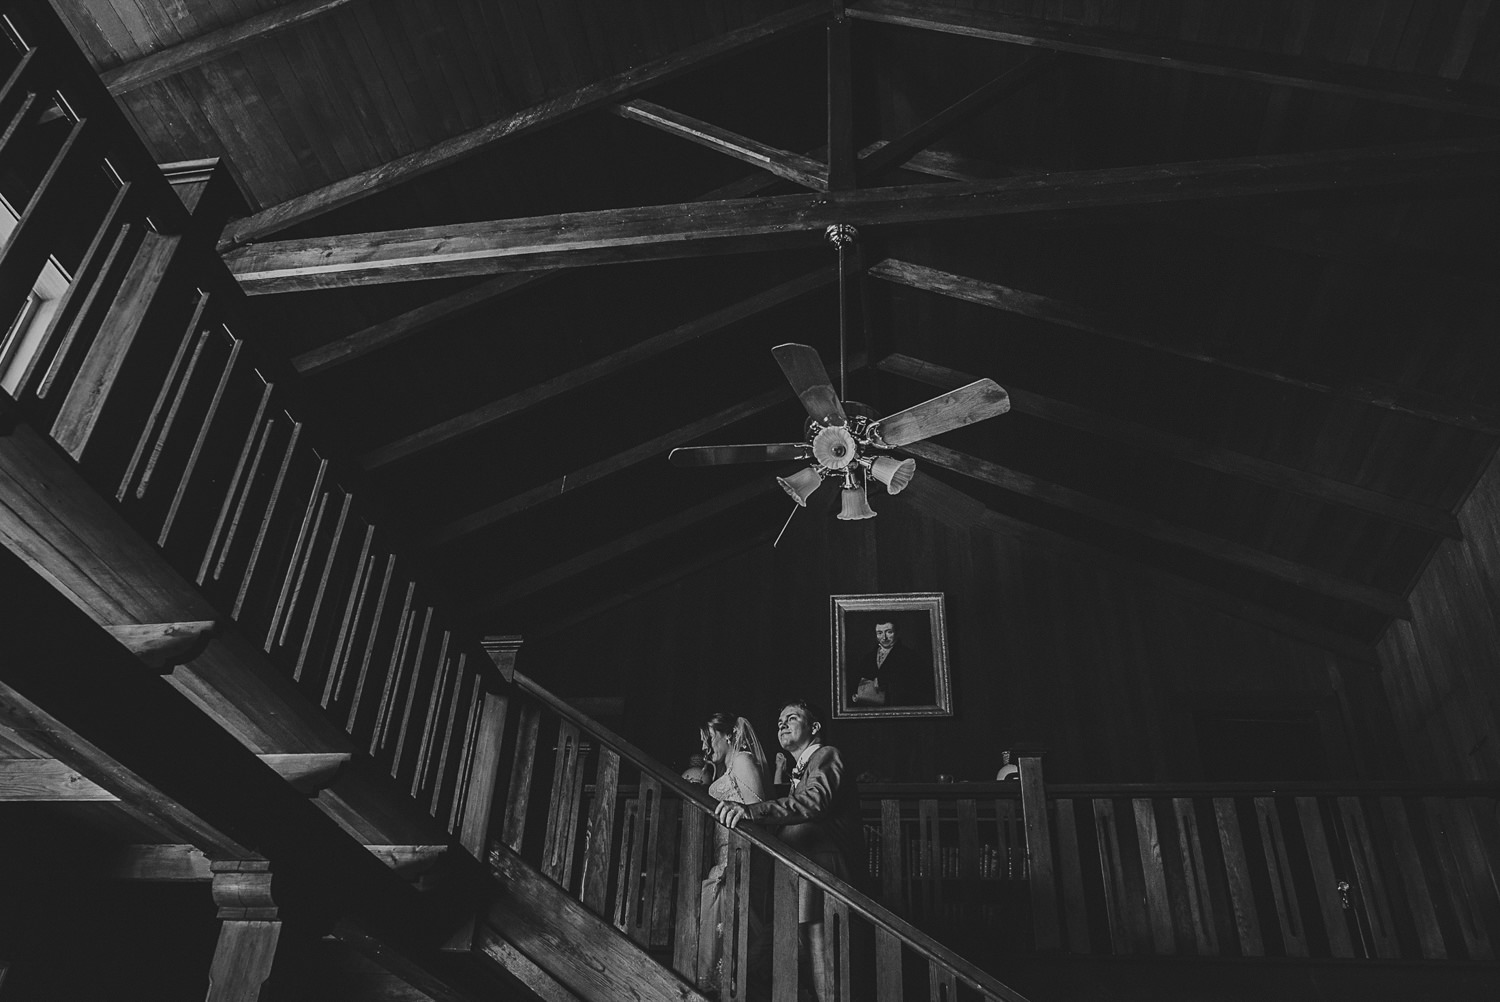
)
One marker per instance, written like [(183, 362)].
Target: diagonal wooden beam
[(483, 417), (1436, 93), (788, 166), (1054, 311), (655, 532), (1179, 447), (1151, 527), (559, 486), (919, 137), (594, 96), (49, 779), (608, 236), (954, 507), (216, 44)]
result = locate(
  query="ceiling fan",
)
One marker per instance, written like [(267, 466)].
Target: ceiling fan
[(844, 438)]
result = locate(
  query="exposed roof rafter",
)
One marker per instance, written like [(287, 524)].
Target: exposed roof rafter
[(642, 233), (788, 166)]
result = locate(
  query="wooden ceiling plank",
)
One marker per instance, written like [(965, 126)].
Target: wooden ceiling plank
[(638, 233), (1184, 449), (652, 533), (641, 588), (1151, 527), (558, 486), (482, 417), (1053, 311), (919, 137), (1435, 93), (597, 95), (957, 508), (788, 166), (215, 44)]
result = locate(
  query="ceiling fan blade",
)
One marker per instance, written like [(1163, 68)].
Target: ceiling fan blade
[(720, 455), (804, 370), (981, 399)]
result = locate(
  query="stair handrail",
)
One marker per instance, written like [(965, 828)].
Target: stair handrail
[(859, 902)]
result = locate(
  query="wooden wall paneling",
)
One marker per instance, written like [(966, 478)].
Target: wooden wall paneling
[(1409, 864), (601, 841), (1325, 877), (357, 593), (85, 275), (892, 852), (1283, 885), (268, 547), (1158, 905), (518, 791), (1070, 868), (1200, 909), (1237, 869), (664, 867), (48, 216), (1371, 897), (557, 850)]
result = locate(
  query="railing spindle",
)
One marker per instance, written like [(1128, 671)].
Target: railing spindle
[(1200, 899), (513, 830), (1418, 894), (1246, 919)]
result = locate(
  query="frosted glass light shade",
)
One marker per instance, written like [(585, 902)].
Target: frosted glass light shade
[(856, 504), (894, 473), (801, 484)]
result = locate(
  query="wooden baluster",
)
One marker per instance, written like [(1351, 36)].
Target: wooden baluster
[(212, 428), (1479, 866), (629, 869), (337, 565), (785, 941), (358, 590), (942, 986), (1246, 919), (280, 506), (1200, 899), (440, 707), (231, 495), (1325, 877), (1070, 869), (929, 867), (562, 807), (1465, 906), (313, 513), (1375, 906), (888, 986), (200, 335), (1409, 865), (839, 936), (1116, 900), (685, 945), (968, 862), (480, 770), (893, 889), (1283, 889), (385, 627), (167, 398), (1039, 855), (736, 985), (107, 245), (601, 835), (518, 794), (23, 83), (666, 855), (408, 664), (1010, 845), (413, 706), (1158, 909), (643, 879)]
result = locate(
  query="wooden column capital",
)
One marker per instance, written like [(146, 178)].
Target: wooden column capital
[(242, 889), (502, 650)]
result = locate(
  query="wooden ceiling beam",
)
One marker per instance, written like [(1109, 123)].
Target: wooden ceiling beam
[(954, 507), (558, 486), (1188, 450), (788, 166), (489, 414), (594, 96), (1062, 314), (48, 779), (653, 533), (216, 44), (1150, 527), (1437, 94), (901, 149), (639, 233)]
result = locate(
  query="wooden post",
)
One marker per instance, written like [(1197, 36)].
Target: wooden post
[(1039, 853), (245, 957), (502, 650)]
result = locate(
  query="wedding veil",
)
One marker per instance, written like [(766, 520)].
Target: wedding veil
[(745, 740)]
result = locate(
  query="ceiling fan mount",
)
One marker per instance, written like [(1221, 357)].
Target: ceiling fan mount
[(845, 438)]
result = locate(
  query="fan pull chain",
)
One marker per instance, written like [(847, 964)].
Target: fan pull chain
[(784, 526)]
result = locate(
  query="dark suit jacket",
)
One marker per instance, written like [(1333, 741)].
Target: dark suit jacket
[(905, 676), (820, 817)]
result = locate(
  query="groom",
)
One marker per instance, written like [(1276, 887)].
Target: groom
[(820, 818)]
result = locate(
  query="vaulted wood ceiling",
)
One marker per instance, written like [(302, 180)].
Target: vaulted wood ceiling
[(1235, 264)]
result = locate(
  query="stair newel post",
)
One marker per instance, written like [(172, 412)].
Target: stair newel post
[(249, 949), (1042, 879), (484, 764)]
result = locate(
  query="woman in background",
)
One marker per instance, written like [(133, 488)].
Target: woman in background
[(731, 748)]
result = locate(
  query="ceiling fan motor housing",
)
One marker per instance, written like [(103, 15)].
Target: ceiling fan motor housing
[(834, 447)]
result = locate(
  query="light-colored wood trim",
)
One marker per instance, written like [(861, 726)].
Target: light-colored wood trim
[(788, 166)]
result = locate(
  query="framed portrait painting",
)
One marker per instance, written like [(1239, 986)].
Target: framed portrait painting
[(890, 655)]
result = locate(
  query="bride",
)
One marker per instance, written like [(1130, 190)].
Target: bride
[(739, 763)]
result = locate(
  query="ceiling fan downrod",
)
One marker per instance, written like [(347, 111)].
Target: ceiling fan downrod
[(841, 235)]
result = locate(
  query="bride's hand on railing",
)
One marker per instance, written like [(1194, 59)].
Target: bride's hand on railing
[(729, 813)]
